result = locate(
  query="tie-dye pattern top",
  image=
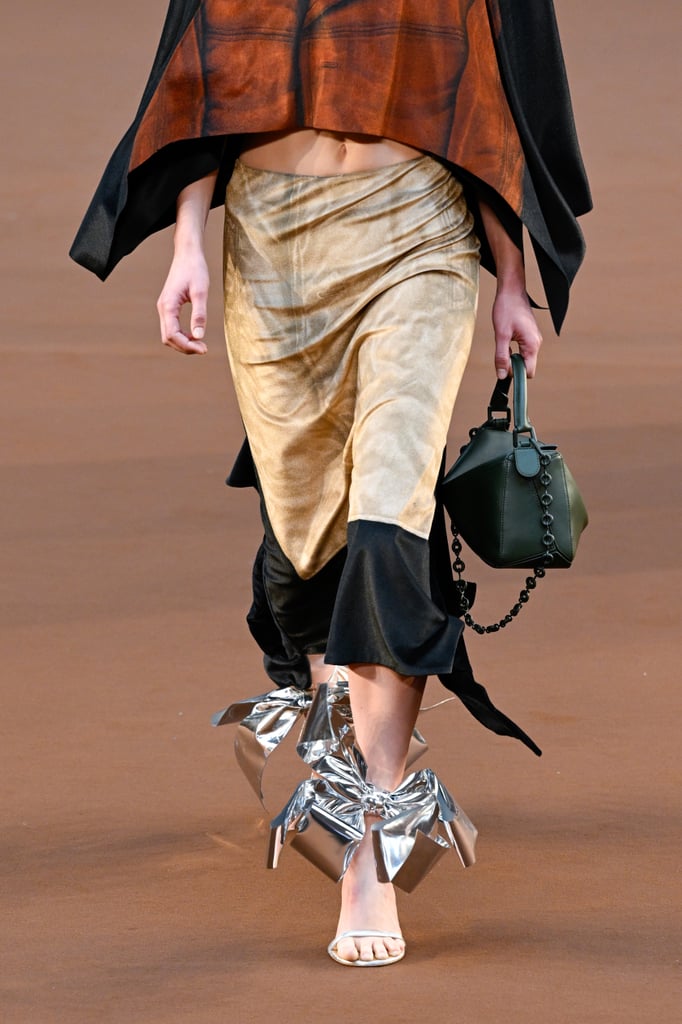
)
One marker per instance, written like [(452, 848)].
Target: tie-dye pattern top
[(450, 77)]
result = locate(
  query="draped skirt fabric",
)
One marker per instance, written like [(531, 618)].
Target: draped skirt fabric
[(349, 311)]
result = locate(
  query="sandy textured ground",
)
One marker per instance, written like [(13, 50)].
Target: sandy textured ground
[(130, 846)]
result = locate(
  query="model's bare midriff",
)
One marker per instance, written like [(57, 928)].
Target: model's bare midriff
[(310, 151)]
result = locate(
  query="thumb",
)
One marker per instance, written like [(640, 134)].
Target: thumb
[(198, 298), (502, 359), (198, 323)]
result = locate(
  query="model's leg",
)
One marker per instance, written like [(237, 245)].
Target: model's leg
[(385, 707), (319, 671), (409, 369)]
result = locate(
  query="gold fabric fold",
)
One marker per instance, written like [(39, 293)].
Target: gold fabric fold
[(349, 311)]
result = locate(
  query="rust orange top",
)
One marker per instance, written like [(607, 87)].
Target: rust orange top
[(479, 83), (422, 72)]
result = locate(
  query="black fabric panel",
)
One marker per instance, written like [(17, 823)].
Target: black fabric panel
[(385, 613), (243, 472), (460, 679), (556, 190), (285, 665), (301, 608), (475, 699), (115, 224), (126, 209), (531, 59), (92, 245), (307, 607)]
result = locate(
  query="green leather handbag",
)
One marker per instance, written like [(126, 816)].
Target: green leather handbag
[(511, 497)]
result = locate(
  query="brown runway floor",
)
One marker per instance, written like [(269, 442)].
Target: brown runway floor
[(131, 848)]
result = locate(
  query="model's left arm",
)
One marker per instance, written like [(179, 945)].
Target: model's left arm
[(513, 318)]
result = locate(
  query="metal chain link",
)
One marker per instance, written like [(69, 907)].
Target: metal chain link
[(539, 571)]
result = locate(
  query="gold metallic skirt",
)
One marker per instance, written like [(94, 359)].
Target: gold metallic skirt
[(349, 311)]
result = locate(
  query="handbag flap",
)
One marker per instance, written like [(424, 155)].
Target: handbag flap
[(527, 460)]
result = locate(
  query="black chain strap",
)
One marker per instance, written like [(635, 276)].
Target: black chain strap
[(539, 571)]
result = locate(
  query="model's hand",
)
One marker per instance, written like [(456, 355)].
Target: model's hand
[(187, 281), (513, 318), (515, 324)]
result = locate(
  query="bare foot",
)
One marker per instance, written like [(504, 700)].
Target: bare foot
[(367, 903)]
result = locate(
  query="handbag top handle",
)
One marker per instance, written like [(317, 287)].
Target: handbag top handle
[(499, 400)]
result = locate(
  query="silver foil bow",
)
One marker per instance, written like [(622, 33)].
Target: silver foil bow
[(264, 721), (329, 725), (325, 821)]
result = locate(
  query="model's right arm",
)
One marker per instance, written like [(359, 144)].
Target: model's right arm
[(187, 279)]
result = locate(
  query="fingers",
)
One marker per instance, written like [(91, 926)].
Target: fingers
[(502, 356), (529, 342), (515, 325), (528, 349), (169, 306), (188, 346), (174, 337), (198, 299), (530, 358)]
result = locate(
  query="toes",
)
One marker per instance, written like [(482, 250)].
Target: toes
[(377, 948), (379, 951), (348, 950), (368, 948), (386, 948), (372, 949)]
